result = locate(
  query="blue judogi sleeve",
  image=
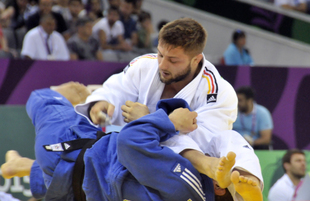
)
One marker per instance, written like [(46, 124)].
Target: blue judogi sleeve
[(159, 168)]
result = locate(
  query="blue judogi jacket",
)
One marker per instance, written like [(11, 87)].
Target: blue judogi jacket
[(127, 165)]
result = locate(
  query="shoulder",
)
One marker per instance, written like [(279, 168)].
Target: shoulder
[(57, 35), (231, 49), (73, 39), (262, 110), (277, 190), (32, 33), (119, 24), (141, 61), (100, 23)]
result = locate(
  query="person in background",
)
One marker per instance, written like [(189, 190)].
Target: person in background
[(44, 43), (236, 53), (130, 25), (77, 11), (294, 165), (109, 32), (114, 3), (17, 11), (62, 7), (254, 121), (83, 46), (145, 32), (297, 5), (94, 10), (4, 49), (138, 8), (45, 7)]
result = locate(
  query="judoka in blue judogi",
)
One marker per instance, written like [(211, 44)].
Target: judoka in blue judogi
[(130, 165)]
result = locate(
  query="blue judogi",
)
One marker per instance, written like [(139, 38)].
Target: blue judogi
[(127, 165)]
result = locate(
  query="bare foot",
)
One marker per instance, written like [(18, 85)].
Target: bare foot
[(74, 92), (222, 174), (15, 165), (247, 187)]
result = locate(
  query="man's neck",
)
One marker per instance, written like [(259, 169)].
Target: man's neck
[(82, 37), (293, 179), (175, 87)]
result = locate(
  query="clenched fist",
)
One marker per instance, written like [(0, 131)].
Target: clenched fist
[(133, 111), (184, 120), (96, 112)]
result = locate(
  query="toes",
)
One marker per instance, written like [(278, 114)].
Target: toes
[(235, 177), (231, 156), (243, 179)]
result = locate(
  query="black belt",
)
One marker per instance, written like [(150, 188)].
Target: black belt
[(79, 166)]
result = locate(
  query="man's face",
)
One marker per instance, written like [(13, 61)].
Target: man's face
[(217, 189), (113, 16), (49, 25), (243, 103), (297, 166), (126, 8), (86, 30), (22, 3), (46, 6), (174, 65), (75, 8)]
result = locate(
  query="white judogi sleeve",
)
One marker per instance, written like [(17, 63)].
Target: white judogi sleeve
[(116, 90)]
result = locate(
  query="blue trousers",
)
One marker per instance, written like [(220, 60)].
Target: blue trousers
[(127, 165)]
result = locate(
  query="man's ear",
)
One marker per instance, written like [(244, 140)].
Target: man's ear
[(287, 166), (195, 61)]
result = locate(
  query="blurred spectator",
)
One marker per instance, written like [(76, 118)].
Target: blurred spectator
[(159, 26), (17, 11), (254, 121), (145, 31), (95, 12), (236, 53), (77, 11), (114, 3), (294, 165), (130, 25), (297, 5), (4, 49), (62, 7), (83, 46), (109, 31), (138, 8), (45, 7), (44, 43)]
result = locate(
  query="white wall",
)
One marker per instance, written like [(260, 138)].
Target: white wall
[(266, 48)]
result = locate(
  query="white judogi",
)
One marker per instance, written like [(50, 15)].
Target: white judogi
[(35, 47), (212, 97)]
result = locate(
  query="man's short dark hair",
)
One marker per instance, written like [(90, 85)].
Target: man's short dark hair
[(82, 21), (133, 2), (144, 16), (46, 17), (237, 34), (80, 1), (288, 156), (113, 9), (247, 91)]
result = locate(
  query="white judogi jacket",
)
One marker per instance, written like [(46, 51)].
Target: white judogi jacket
[(212, 97)]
